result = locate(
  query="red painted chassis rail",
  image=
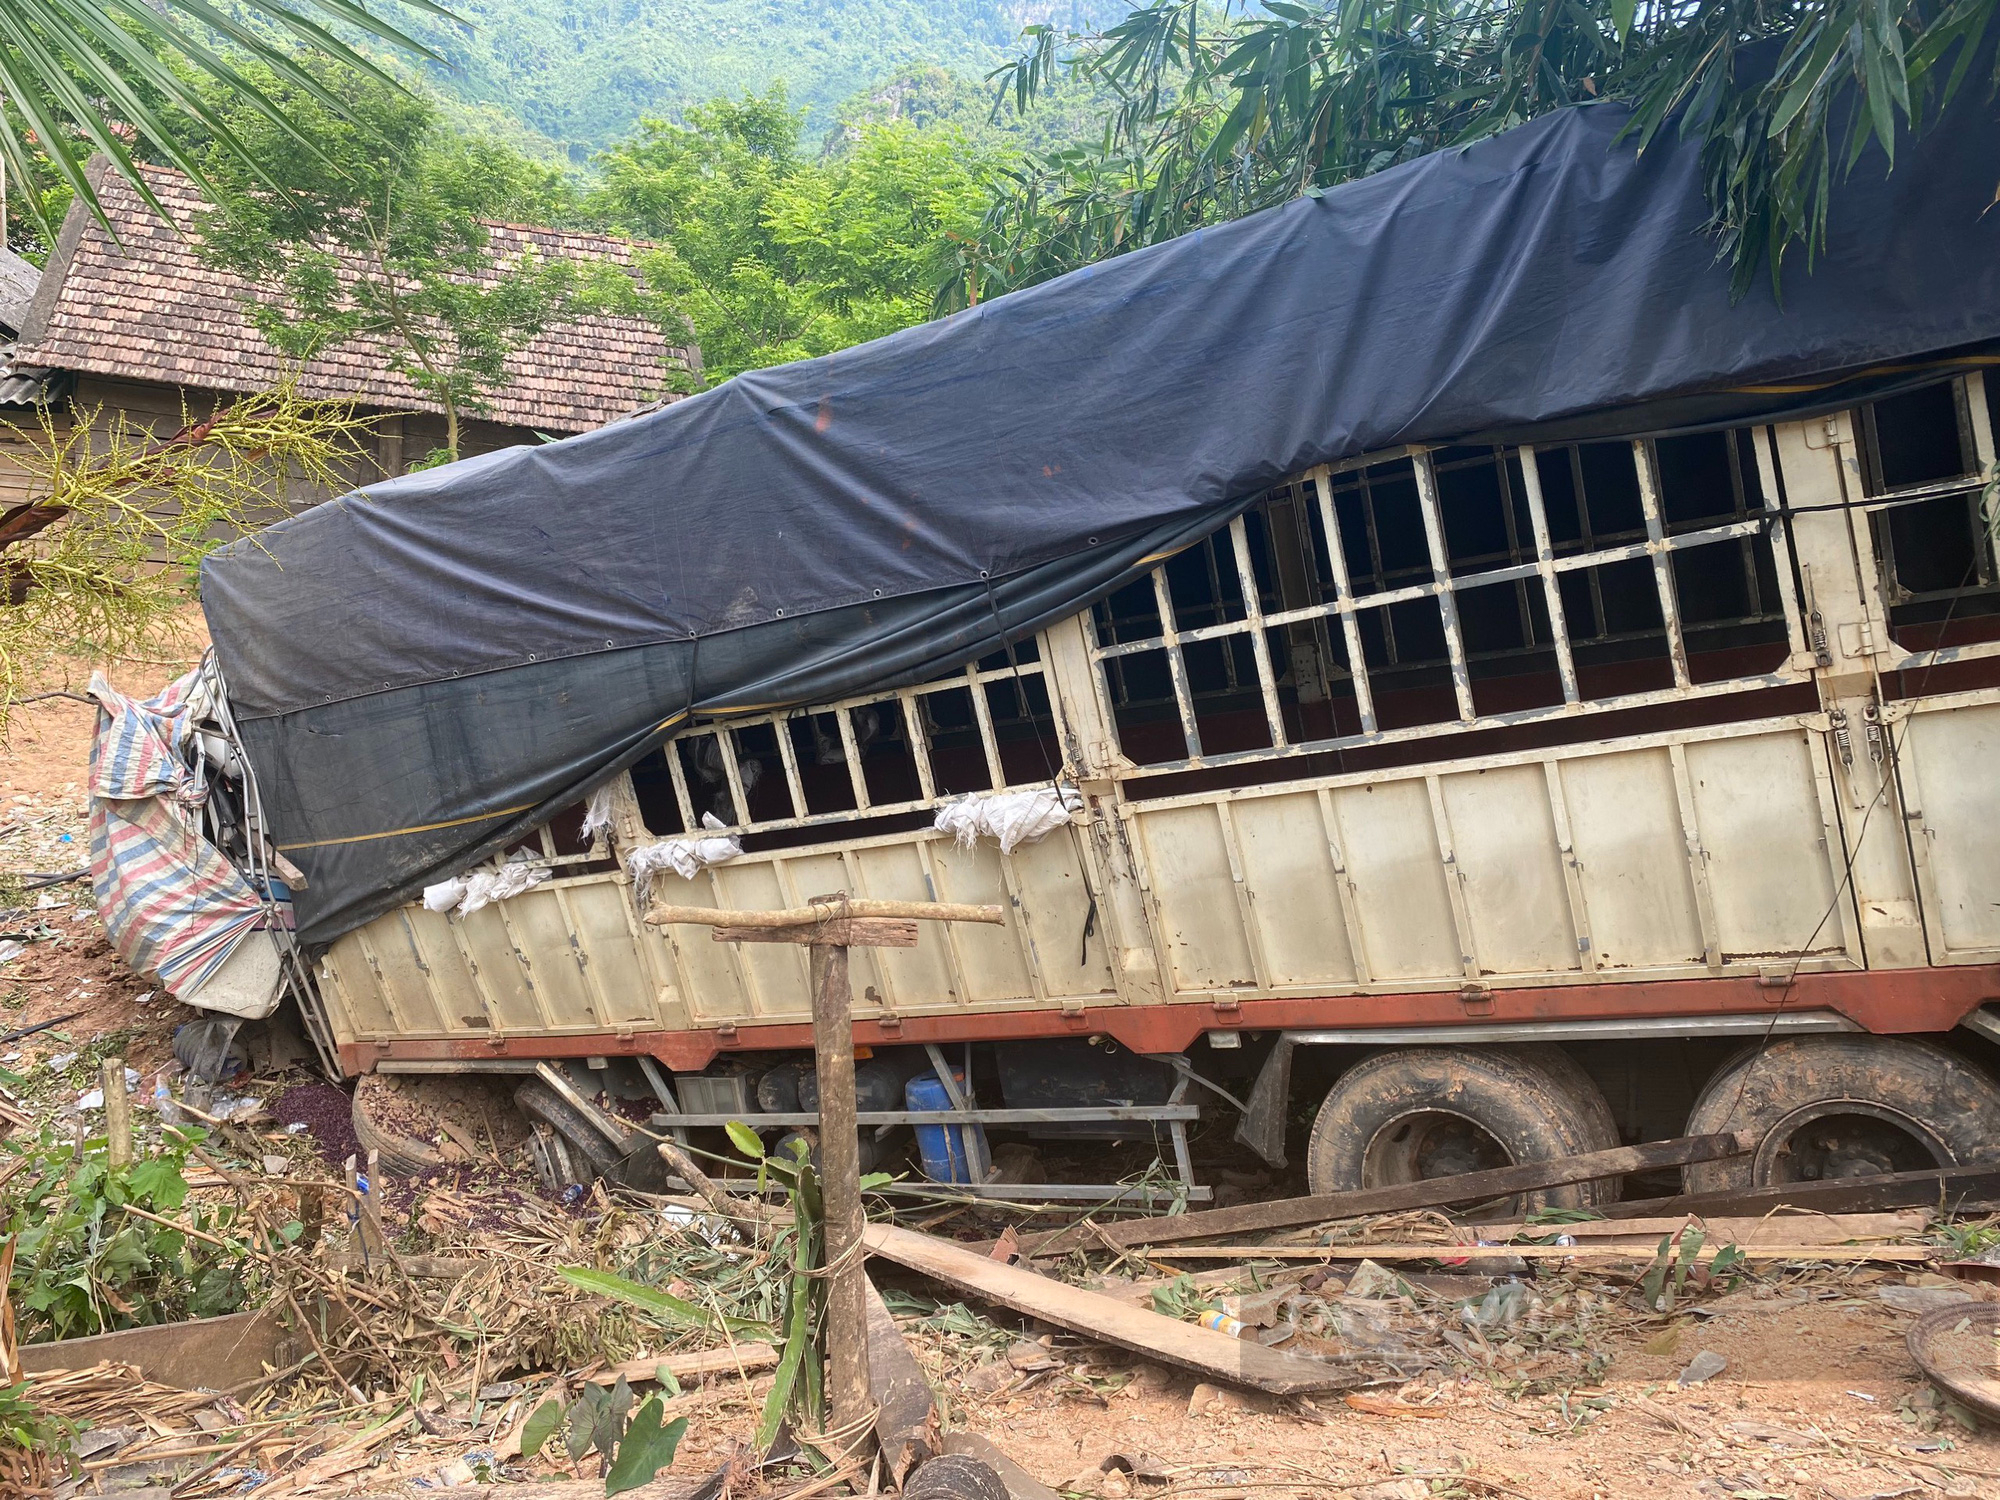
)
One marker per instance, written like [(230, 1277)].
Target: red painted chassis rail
[(1884, 1001)]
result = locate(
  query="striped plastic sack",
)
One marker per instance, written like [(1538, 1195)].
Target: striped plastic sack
[(172, 904)]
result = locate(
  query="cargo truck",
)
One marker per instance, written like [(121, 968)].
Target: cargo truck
[(1433, 675)]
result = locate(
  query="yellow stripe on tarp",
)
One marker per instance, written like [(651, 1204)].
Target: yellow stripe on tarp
[(1802, 388), (396, 833)]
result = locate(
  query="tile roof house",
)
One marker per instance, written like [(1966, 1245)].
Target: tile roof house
[(139, 323)]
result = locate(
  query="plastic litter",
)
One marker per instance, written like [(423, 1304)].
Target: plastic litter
[(1221, 1322), (597, 813), (685, 857), (1502, 1307), (1371, 1279), (1013, 818), (59, 1062), (11, 949)]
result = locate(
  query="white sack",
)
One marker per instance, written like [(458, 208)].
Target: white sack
[(469, 892), (1013, 818), (685, 857)]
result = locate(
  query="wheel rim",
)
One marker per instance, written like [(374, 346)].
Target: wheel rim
[(1429, 1143), (1834, 1138)]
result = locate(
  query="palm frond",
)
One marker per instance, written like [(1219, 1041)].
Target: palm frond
[(84, 76)]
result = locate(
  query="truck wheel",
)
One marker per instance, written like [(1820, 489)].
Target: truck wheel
[(1844, 1106), (565, 1149), (1422, 1112)]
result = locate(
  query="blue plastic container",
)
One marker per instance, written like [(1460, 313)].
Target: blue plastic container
[(942, 1147)]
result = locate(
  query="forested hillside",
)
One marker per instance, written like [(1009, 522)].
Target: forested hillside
[(583, 72)]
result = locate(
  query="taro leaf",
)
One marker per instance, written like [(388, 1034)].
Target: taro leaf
[(583, 1418), (608, 1425), (652, 1300), (647, 1449), (540, 1427), (744, 1139)]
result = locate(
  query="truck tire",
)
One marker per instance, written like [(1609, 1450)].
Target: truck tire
[(400, 1155), (955, 1476), (1420, 1112), (1844, 1106), (567, 1150)]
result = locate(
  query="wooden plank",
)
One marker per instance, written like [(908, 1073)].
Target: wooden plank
[(841, 932), (1202, 1350), (1434, 1192), (905, 1409), (742, 1361), (1954, 1187), (205, 1353), (1590, 1253), (1771, 1229)]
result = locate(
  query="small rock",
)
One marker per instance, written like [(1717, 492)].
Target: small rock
[(1026, 1355), (1704, 1366), (1115, 1485), (988, 1376), (1215, 1398)]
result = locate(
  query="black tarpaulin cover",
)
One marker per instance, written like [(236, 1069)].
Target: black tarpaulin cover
[(426, 668)]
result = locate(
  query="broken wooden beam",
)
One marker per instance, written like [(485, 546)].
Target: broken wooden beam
[(1951, 1187), (905, 1409), (1202, 1350), (1839, 1254), (1432, 1192)]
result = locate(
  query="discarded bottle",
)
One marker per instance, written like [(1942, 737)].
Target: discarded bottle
[(1221, 1322)]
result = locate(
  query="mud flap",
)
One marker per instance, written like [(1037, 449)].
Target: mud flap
[(1262, 1127)]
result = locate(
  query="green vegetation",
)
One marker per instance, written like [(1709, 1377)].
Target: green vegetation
[(1223, 111), (94, 1247), (585, 72), (82, 76), (768, 256)]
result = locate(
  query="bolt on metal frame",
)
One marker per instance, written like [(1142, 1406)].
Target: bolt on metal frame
[(1443, 585)]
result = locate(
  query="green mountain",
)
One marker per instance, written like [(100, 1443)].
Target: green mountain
[(583, 72)]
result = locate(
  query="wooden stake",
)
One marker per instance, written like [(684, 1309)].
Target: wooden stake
[(840, 1184), (828, 926), (117, 1111)]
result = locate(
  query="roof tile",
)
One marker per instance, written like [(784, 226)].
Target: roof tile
[(146, 307)]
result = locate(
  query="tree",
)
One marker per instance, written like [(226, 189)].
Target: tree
[(766, 256), (98, 562), (392, 243), (1221, 115), (73, 72)]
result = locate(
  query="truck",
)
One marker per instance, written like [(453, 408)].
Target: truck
[(1593, 740)]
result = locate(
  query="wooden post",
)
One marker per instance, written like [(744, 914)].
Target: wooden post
[(840, 1183), (828, 927), (117, 1111)]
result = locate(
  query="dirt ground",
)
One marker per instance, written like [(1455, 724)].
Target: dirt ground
[(1819, 1397), (1817, 1400)]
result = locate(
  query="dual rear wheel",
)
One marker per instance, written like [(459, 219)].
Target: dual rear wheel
[(1820, 1107)]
